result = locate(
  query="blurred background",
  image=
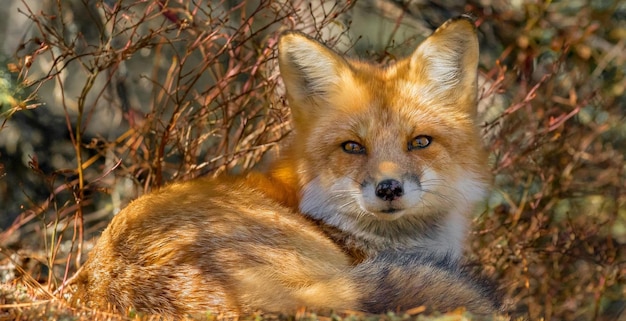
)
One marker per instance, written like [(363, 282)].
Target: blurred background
[(102, 101)]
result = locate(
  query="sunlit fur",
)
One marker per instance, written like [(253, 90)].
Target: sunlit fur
[(313, 233), (197, 246), (334, 100)]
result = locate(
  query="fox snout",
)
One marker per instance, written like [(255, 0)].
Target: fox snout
[(389, 197), (389, 190)]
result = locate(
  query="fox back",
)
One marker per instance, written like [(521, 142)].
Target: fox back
[(386, 157)]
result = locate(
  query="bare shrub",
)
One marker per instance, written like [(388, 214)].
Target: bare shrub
[(555, 233), (140, 93), (149, 92)]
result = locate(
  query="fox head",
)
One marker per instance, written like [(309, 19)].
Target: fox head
[(387, 150)]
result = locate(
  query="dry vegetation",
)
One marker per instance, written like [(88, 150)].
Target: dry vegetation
[(106, 100)]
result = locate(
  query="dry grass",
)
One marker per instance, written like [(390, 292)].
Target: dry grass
[(129, 95)]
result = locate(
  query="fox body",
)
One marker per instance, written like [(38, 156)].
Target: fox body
[(197, 247), (366, 210)]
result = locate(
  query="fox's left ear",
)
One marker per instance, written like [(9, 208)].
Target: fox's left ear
[(309, 69), (448, 60)]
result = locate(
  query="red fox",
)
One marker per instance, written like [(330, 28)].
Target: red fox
[(366, 211)]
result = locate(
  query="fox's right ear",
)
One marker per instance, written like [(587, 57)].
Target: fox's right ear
[(309, 69)]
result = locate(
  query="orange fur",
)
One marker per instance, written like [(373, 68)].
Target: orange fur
[(366, 210)]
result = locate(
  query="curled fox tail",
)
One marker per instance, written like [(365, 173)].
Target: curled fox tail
[(397, 281)]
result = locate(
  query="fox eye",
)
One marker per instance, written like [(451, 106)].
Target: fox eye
[(352, 147), (419, 142)]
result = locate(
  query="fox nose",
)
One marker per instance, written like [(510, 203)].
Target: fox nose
[(389, 189)]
